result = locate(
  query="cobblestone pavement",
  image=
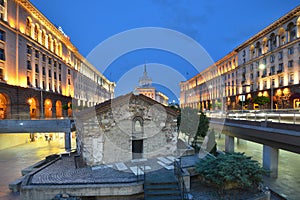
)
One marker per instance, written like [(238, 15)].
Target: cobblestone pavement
[(13, 160)]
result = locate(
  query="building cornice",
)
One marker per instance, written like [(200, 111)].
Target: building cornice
[(27, 5), (282, 20)]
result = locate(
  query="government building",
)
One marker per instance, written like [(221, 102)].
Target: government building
[(146, 88), (267, 64), (42, 74)]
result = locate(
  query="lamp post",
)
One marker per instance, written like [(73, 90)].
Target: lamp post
[(210, 97)]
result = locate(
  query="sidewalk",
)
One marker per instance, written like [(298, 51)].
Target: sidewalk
[(13, 160)]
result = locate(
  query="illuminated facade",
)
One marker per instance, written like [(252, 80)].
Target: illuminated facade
[(267, 64), (148, 90), (41, 71)]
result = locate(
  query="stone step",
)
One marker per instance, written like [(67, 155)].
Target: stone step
[(164, 192), (161, 187), (163, 198)]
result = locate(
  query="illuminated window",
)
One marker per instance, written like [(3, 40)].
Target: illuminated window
[(296, 103)]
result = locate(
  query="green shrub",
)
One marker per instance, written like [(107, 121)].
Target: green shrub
[(230, 171)]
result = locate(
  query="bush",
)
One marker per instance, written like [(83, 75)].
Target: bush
[(230, 171)]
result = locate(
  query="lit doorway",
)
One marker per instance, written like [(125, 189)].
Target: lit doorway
[(3, 108), (58, 107), (48, 108), (32, 107)]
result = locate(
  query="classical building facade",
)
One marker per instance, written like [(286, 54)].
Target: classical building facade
[(146, 88), (41, 71), (267, 64)]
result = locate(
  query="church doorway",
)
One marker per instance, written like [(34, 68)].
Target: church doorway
[(137, 149)]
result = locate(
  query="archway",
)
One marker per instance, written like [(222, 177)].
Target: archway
[(58, 107), (33, 107), (48, 108), (3, 106)]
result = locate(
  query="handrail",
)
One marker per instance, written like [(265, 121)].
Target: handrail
[(289, 116), (179, 176)]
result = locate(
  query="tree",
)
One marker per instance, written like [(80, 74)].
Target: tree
[(203, 125), (188, 122), (261, 100), (202, 129), (230, 170)]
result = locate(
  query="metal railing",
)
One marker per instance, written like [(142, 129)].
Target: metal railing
[(179, 175), (289, 116)]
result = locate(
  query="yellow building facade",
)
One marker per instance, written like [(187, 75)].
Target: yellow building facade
[(267, 64), (41, 71)]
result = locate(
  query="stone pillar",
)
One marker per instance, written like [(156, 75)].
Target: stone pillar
[(270, 160), (67, 141), (229, 144)]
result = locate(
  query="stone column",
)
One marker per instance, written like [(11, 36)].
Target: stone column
[(270, 160), (67, 141), (229, 144)]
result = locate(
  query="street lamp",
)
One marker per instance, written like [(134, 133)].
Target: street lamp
[(210, 96)]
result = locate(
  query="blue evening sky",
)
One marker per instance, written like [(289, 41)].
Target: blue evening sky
[(217, 25)]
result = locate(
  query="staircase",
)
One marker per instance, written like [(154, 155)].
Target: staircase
[(161, 185)]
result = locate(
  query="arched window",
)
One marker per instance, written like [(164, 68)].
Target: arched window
[(265, 45), (258, 49), (55, 46), (252, 51), (36, 32), (273, 41), (291, 32), (28, 27), (298, 27), (44, 38), (50, 44), (137, 125), (281, 36)]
